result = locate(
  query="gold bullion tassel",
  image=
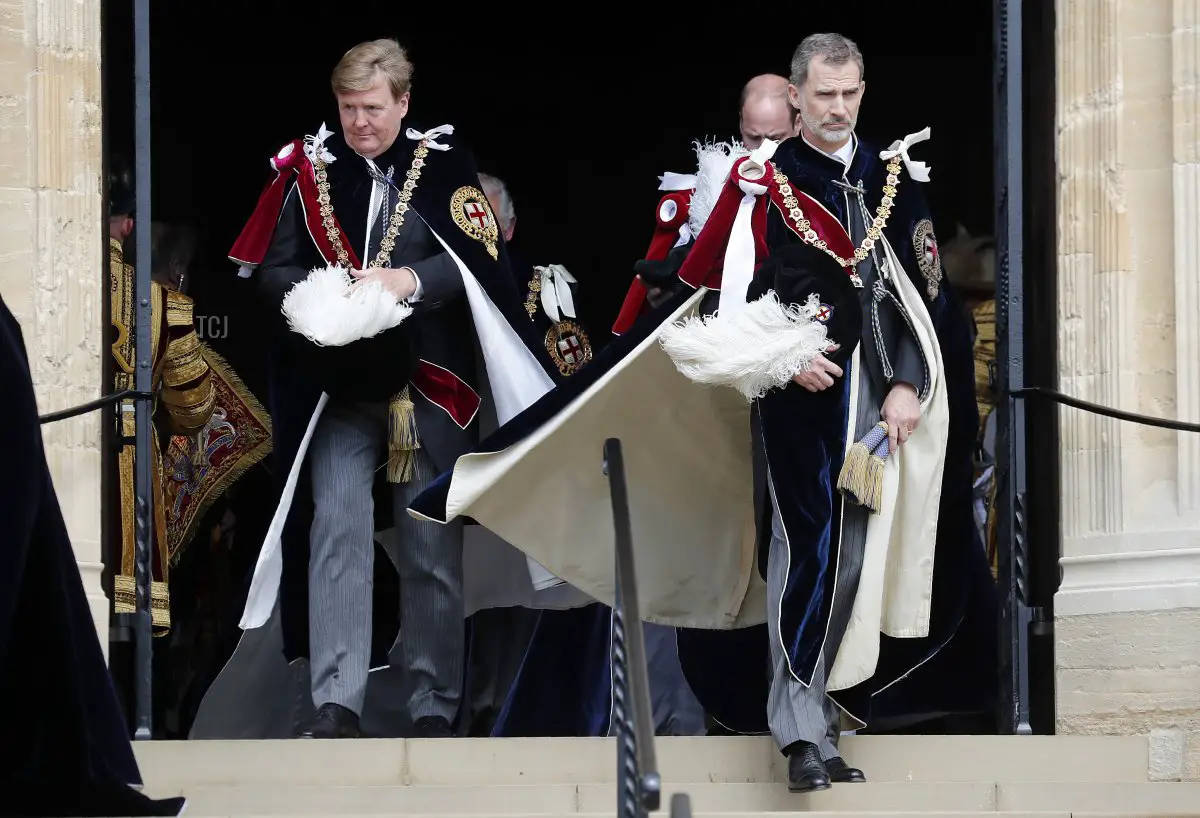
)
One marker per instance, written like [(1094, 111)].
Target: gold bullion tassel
[(861, 477), (402, 438)]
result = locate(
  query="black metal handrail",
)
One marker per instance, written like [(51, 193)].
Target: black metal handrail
[(639, 785), (1106, 411), (93, 405)]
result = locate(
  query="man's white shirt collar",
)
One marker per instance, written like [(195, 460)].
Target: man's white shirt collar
[(844, 154)]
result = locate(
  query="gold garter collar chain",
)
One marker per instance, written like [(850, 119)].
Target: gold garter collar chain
[(874, 231), (531, 298), (383, 257)]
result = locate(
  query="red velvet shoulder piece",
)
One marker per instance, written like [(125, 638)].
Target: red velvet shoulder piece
[(821, 222), (670, 215), (290, 164), (706, 260)]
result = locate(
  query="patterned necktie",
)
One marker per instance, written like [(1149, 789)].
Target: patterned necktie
[(379, 224)]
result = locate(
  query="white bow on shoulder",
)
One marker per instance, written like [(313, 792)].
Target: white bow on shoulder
[(314, 146), (557, 300), (677, 181), (431, 136), (917, 170)]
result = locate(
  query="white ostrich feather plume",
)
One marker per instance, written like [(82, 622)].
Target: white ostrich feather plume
[(328, 311), (757, 349), (715, 161)]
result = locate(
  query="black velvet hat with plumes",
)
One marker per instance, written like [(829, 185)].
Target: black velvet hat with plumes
[(371, 369), (797, 271)]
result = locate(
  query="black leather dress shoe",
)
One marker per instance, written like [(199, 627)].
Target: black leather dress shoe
[(842, 773), (433, 727), (333, 721), (806, 771)]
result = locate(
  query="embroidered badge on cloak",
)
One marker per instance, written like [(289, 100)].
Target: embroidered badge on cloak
[(929, 261), (470, 210), (568, 345)]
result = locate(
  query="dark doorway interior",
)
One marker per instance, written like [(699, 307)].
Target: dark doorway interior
[(579, 115), (578, 112)]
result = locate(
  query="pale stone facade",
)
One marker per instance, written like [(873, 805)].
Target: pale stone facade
[(1127, 616), (1128, 612), (52, 242)]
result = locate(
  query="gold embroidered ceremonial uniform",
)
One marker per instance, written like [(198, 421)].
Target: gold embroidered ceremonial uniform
[(985, 358), (984, 316), (184, 401)]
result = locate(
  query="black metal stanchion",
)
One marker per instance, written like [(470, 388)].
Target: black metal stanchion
[(144, 509), (639, 786)]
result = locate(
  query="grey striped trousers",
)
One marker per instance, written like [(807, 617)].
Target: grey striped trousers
[(795, 712), (348, 448)]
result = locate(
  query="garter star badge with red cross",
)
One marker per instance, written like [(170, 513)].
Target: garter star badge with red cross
[(568, 345), (824, 313), (929, 260), (470, 210)]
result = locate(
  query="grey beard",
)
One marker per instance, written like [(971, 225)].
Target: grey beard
[(823, 133)]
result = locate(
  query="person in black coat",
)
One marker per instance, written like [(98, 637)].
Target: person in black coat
[(66, 750)]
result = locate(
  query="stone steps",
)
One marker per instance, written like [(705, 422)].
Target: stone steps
[(727, 777), (804, 813), (886, 759), (579, 798), (714, 799)]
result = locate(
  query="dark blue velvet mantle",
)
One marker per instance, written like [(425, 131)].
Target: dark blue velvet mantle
[(292, 398), (66, 737), (728, 670)]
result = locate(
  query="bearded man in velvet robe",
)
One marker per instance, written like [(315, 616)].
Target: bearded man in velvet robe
[(845, 603), (850, 577)]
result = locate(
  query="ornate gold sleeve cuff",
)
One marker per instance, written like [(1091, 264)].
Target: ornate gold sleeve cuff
[(184, 362), (190, 409)]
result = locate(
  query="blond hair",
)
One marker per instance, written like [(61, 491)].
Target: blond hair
[(356, 69)]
